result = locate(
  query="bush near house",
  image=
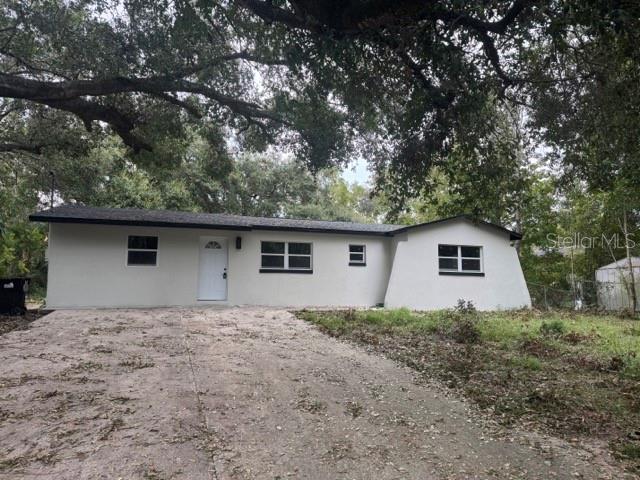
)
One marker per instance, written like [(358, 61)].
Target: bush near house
[(573, 374)]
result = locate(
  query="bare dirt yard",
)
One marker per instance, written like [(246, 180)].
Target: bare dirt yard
[(244, 393)]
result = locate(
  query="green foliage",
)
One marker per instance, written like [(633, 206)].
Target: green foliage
[(573, 234), (596, 338), (527, 362), (22, 244), (590, 122), (150, 73), (628, 450), (412, 89), (553, 328), (21, 250), (401, 321), (463, 323)]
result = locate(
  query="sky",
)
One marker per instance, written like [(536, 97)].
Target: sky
[(357, 172)]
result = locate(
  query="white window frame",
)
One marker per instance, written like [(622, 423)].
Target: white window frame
[(362, 262), (460, 258), (127, 250), (286, 256)]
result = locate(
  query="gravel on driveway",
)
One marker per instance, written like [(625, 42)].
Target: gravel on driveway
[(242, 393)]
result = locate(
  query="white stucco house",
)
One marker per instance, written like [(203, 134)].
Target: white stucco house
[(102, 257)]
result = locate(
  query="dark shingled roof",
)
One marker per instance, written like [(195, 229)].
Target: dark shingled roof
[(219, 221), (167, 218)]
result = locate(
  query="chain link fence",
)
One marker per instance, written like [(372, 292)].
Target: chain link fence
[(585, 295)]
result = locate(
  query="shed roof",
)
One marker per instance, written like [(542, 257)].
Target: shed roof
[(219, 221)]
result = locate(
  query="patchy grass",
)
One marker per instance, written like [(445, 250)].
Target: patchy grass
[(572, 374), (527, 362), (309, 405), (136, 363), (629, 451)]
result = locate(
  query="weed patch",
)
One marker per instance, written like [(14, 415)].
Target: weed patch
[(527, 362), (628, 451), (353, 409), (136, 363), (106, 330), (310, 405), (102, 349), (553, 328)]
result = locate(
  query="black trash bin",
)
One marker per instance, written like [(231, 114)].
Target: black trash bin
[(12, 295)]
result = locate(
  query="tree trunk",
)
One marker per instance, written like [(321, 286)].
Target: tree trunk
[(632, 279), (518, 229)]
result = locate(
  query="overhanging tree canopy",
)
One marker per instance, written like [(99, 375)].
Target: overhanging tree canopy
[(404, 81)]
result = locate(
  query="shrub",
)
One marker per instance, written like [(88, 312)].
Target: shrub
[(554, 328), (465, 331), (463, 326), (465, 308)]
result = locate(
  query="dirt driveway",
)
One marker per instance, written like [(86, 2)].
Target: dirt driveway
[(240, 393)]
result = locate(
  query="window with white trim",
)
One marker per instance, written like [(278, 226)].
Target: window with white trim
[(285, 257), (357, 255), (142, 250), (460, 259)]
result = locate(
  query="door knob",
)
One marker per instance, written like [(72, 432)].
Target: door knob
[(224, 275)]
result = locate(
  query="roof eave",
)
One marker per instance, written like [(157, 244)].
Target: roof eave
[(133, 223), (39, 217)]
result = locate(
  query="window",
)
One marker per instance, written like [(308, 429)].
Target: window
[(357, 255), (459, 260), (142, 250), (285, 257), (213, 245)]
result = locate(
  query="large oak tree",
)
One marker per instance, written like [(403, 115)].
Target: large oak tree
[(406, 82)]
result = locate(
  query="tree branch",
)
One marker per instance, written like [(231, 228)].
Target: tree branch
[(440, 100), (364, 17), (251, 57), (18, 146), (499, 27), (70, 96), (89, 112), (493, 56), (193, 111), (270, 13)]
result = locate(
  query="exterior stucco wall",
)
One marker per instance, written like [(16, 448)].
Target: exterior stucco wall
[(87, 268), (416, 283)]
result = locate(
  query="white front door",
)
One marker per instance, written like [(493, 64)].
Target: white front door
[(212, 283)]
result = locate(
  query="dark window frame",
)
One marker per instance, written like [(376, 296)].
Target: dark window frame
[(358, 263), (286, 256), (155, 251), (459, 270)]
